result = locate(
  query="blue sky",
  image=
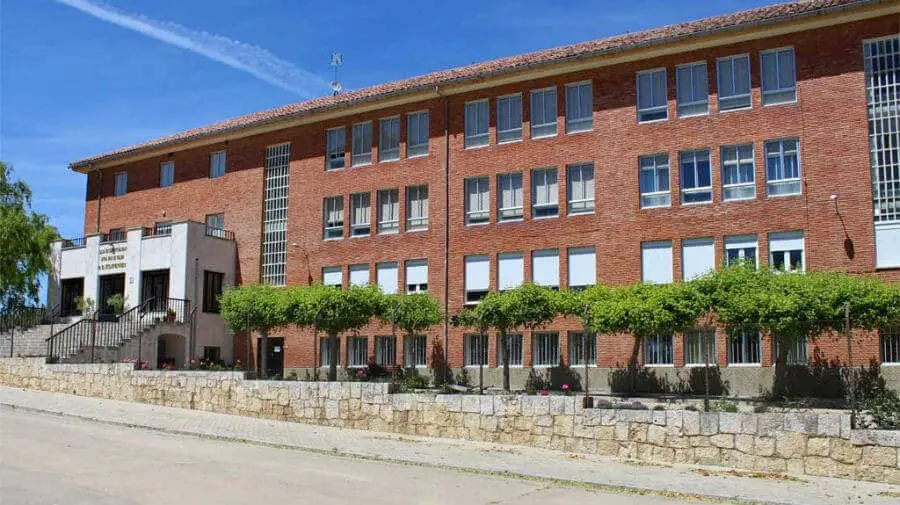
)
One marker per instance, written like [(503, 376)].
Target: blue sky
[(73, 85)]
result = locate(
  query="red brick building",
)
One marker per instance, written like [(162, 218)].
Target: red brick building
[(770, 135)]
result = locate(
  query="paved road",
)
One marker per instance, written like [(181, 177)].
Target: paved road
[(49, 459)]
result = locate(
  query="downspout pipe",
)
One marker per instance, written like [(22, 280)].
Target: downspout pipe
[(99, 196), (446, 328)]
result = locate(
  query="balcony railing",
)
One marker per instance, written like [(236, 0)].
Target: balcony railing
[(212, 231), (113, 236), (160, 230), (73, 243)]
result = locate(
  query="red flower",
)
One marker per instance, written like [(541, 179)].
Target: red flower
[(565, 387), (544, 393)]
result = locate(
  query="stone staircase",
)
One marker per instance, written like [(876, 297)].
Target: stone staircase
[(17, 343)]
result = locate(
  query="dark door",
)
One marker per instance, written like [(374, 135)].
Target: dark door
[(155, 286), (70, 291), (274, 357), (109, 285)]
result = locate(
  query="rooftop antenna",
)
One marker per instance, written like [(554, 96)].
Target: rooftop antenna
[(337, 59)]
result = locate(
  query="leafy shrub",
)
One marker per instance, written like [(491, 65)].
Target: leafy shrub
[(876, 405), (292, 376), (416, 382), (723, 406), (692, 408), (659, 407), (462, 377), (536, 382)]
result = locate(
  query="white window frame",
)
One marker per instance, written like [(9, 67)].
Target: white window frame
[(889, 345), (361, 144), (694, 107), (785, 254), (550, 208), (513, 133), (389, 224), (415, 351), (515, 342), (471, 344), (383, 277), (548, 128), (417, 287), (797, 355), (580, 123), (553, 282), (417, 208), (217, 168), (386, 347), (650, 114), (335, 159), (166, 174), (481, 215), (576, 349), (325, 352), (543, 353), (742, 341), (582, 203), (658, 198), (741, 244), (590, 270), (741, 190), (361, 228), (776, 96), (657, 244), (121, 179), (333, 230), (696, 157), (658, 351), (794, 184), (506, 183), (510, 265), (328, 272), (474, 294), (477, 138), (417, 147), (356, 271), (702, 245), (357, 350), (389, 139), (739, 99), (696, 342)]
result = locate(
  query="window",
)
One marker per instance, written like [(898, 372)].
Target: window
[(783, 167), (659, 350), (509, 118), (333, 276), (336, 146), (386, 350), (543, 113), (786, 251), (797, 354), (162, 228), (417, 134), (738, 173), (325, 351), (582, 267), (477, 281), (515, 349), (743, 347), (121, 183), (216, 164), (417, 208), (333, 212), (212, 289), (359, 275), (509, 197), (362, 144), (779, 79), (476, 349), (545, 348), (577, 341), (476, 124), (696, 180), (656, 262), (882, 63), (700, 346), (698, 257), (478, 201), (115, 235), (733, 76), (389, 139), (167, 174), (654, 181), (580, 188), (652, 96), (386, 274), (361, 215), (890, 345), (741, 248), (579, 107), (544, 193), (215, 225), (510, 270), (415, 351), (417, 276), (692, 88), (357, 351), (275, 212), (212, 354), (388, 211), (545, 268)]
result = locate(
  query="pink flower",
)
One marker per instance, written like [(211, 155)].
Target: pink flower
[(565, 387), (544, 393)]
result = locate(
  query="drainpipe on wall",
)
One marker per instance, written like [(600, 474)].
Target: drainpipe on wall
[(446, 328), (99, 195), (194, 312)]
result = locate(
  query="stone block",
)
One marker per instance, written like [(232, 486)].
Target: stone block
[(656, 434), (684, 455), (845, 452), (675, 419), (637, 432), (663, 455), (609, 417), (730, 422), (604, 432), (801, 422), (659, 417), (677, 441), (453, 403), (883, 438), (769, 424), (557, 405), (818, 465), (607, 447), (722, 440), (544, 420), (749, 423), (818, 446), (541, 405), (707, 456), (700, 441), (622, 432), (709, 423), (790, 444), (486, 405), (591, 417), (879, 456), (471, 404), (691, 422), (744, 443), (829, 425), (563, 425), (764, 446)]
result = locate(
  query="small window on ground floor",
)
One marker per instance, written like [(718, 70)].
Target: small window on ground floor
[(545, 349), (476, 349), (357, 351), (515, 349), (386, 350), (325, 351), (415, 352), (744, 347), (659, 350), (577, 340)]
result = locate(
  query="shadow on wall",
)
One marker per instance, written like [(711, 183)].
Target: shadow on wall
[(637, 379), (819, 379)]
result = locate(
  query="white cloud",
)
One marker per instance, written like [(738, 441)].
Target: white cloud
[(236, 54)]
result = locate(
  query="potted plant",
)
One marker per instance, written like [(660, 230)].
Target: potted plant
[(85, 305), (116, 302), (170, 316)]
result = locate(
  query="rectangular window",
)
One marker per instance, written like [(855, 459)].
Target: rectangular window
[(167, 174), (333, 212), (415, 351), (215, 225), (654, 181), (738, 173), (417, 134), (700, 346), (890, 345), (515, 349), (743, 347), (741, 248), (388, 211), (386, 350), (510, 270), (389, 139), (509, 118), (476, 349), (882, 64), (362, 144), (216, 164), (478, 277), (797, 354), (333, 276), (357, 351), (656, 262), (114, 235), (652, 96), (696, 179), (162, 228), (509, 197), (659, 350), (543, 113), (325, 352), (121, 183), (577, 341), (545, 268), (386, 274), (212, 354), (336, 147), (545, 348), (692, 89), (779, 76), (361, 215), (544, 193), (212, 289), (580, 188), (476, 124), (417, 276), (359, 275), (579, 107), (275, 212), (733, 76), (582, 267), (478, 201), (417, 208), (698, 257), (786, 251), (783, 167)]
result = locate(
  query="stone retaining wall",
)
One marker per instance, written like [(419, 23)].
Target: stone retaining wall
[(794, 443)]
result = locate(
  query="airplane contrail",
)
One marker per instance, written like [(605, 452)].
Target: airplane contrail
[(236, 54)]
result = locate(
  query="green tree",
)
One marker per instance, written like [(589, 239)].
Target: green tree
[(412, 313), (25, 237), (257, 308)]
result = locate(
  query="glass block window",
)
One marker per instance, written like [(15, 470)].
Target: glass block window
[(275, 209), (882, 64)]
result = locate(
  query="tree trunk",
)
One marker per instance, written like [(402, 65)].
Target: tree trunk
[(780, 388), (504, 354), (332, 357), (263, 354), (633, 364)]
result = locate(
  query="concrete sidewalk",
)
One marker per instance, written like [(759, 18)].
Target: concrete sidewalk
[(461, 455)]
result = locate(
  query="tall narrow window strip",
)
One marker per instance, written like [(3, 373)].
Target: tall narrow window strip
[(167, 174), (361, 215), (389, 139), (659, 350), (580, 188), (417, 134), (696, 178), (389, 211), (217, 164), (543, 113), (882, 65), (362, 144), (654, 181), (544, 193), (336, 147), (652, 99), (783, 167), (478, 200), (579, 107), (509, 197), (545, 349), (509, 118), (275, 210), (476, 127), (334, 217), (733, 76), (692, 89), (779, 76), (417, 208), (738, 173)]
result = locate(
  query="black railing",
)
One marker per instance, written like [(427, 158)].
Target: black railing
[(22, 318), (113, 236), (160, 230), (212, 231), (72, 243)]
